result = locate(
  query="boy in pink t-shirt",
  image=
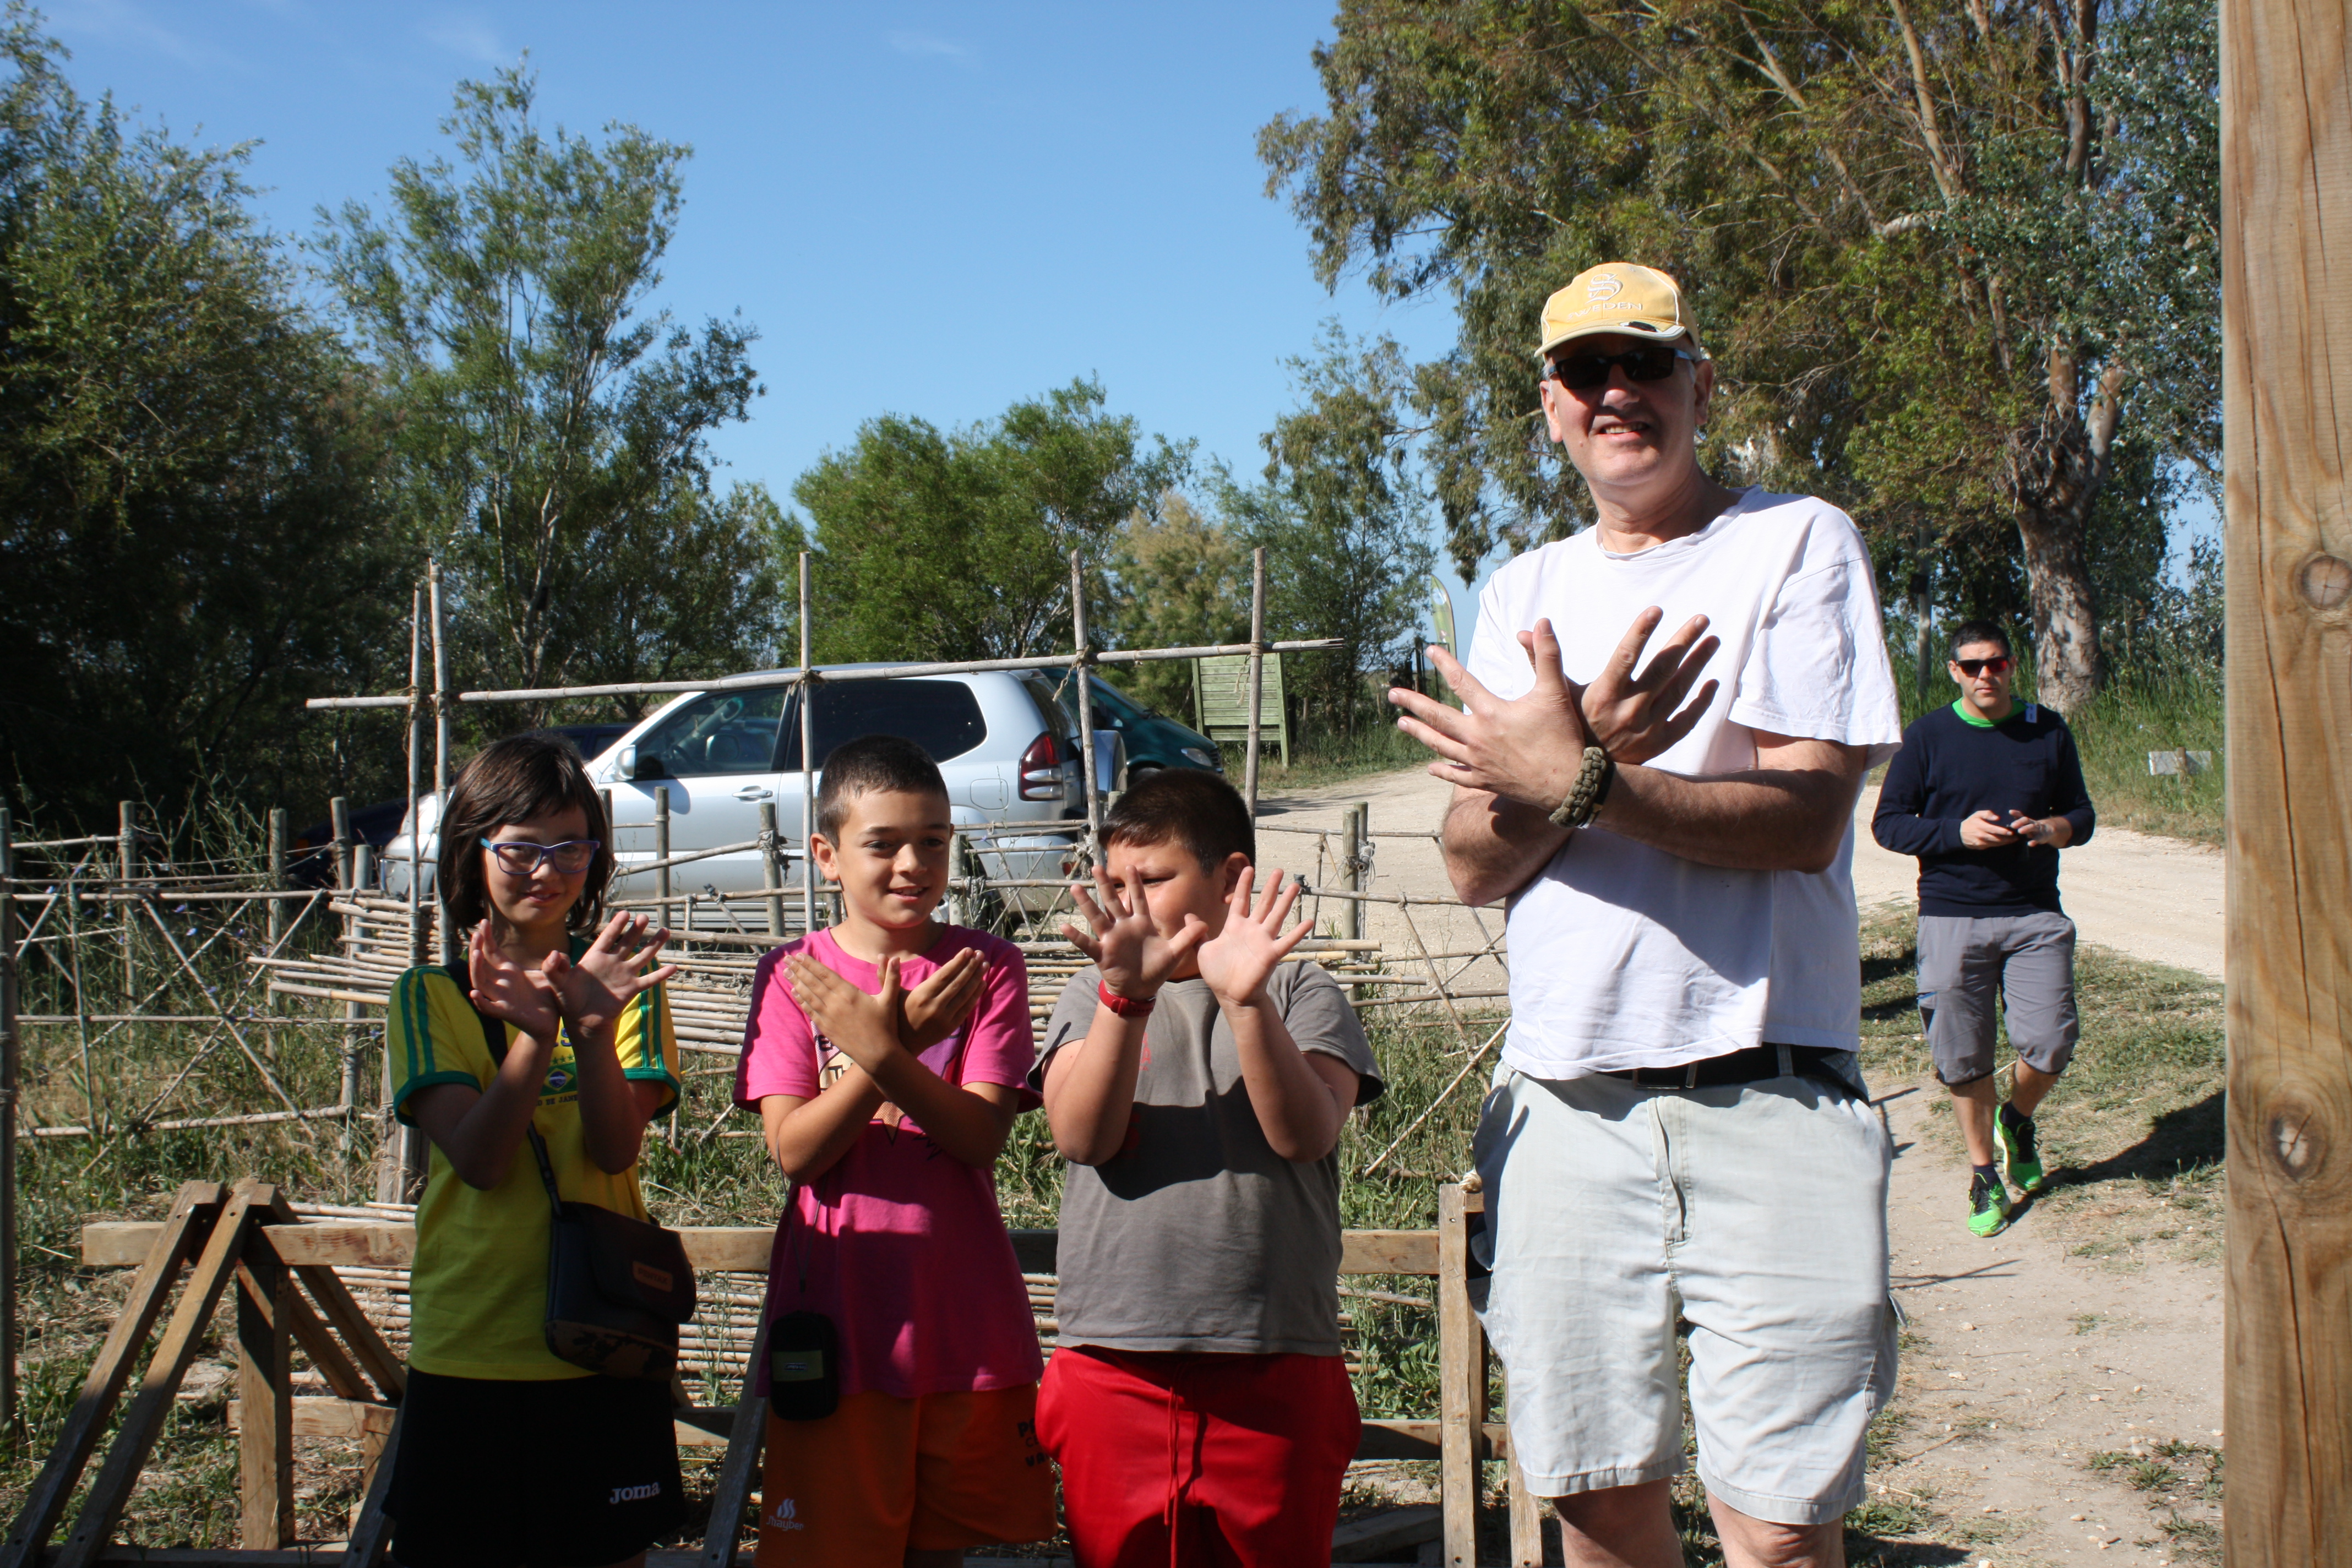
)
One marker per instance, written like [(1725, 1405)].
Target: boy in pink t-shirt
[(887, 1058)]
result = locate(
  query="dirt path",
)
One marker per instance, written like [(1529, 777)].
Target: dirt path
[(2061, 1392)]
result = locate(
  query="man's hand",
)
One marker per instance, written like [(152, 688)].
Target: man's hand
[(864, 1029), (2055, 832), (934, 1009), (1239, 962), (1985, 830), (1134, 959), (1529, 749), (614, 970)]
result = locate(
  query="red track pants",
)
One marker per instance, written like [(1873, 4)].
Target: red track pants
[(1198, 1461)]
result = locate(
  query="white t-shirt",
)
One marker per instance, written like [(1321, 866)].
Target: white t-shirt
[(1623, 956)]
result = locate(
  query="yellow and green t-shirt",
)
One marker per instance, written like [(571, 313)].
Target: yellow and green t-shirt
[(478, 1289)]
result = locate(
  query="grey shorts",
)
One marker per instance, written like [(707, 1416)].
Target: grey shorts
[(2026, 961), (1758, 1213)]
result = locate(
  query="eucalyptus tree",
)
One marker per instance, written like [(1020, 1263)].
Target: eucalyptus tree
[(550, 425), (1957, 258)]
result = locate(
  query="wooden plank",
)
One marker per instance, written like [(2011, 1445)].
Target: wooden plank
[(343, 1315), (336, 1420), (2286, 319), (372, 1531), (326, 1355), (1461, 1395), (1405, 1439), (143, 1422), (1384, 1537), (740, 1469), (1388, 1252), (265, 1442), (194, 1208), (1526, 1522), (380, 1244)]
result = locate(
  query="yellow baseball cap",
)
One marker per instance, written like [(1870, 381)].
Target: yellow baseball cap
[(1619, 297)]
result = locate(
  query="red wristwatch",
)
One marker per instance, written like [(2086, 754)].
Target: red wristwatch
[(1125, 1006)]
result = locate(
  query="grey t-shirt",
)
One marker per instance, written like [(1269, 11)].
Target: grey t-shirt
[(1197, 1236)]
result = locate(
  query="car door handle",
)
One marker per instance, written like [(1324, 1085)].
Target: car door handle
[(753, 792)]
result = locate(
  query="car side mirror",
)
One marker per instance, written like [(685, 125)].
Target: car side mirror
[(633, 764)]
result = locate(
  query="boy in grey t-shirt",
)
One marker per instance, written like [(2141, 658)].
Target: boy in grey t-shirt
[(1198, 1084)]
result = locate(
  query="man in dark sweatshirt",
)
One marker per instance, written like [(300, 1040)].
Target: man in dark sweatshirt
[(1986, 793)]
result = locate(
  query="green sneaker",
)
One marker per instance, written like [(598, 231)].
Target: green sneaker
[(1989, 1206), (2020, 1159)]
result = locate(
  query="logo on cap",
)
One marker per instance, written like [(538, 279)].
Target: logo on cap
[(1606, 286)]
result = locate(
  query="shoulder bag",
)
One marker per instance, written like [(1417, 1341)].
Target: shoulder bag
[(617, 1287)]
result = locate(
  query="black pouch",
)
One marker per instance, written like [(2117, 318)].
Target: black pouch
[(617, 1287), (804, 1367)]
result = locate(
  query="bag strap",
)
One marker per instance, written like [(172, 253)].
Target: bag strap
[(494, 1035)]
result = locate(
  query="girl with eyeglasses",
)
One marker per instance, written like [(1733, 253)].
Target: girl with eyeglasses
[(507, 1455)]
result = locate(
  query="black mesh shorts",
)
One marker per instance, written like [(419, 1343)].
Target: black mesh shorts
[(570, 1472)]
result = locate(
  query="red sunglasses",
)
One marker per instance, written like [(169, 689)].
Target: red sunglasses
[(1970, 667)]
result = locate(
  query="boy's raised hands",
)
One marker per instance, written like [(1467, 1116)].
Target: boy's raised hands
[(1241, 959), (933, 1010), (1134, 960), (865, 1028)]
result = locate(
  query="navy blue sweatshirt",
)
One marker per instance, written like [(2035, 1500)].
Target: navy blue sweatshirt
[(1950, 769)]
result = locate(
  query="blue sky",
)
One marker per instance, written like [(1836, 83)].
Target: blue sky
[(925, 209)]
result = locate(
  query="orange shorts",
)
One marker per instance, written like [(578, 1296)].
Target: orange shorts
[(882, 1475)]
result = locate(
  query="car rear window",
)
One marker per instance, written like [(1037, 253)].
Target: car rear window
[(942, 717)]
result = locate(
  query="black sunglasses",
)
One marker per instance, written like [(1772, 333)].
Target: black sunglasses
[(1582, 372), (1970, 667)]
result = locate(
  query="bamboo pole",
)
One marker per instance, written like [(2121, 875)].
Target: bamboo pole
[(772, 869), (2286, 317), (808, 764), (1256, 673), (275, 909), (661, 867), (1359, 820), (417, 933), (449, 948), (9, 1065), (1083, 675), (127, 847), (339, 812)]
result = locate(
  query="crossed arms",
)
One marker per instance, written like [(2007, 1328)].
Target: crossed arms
[(1512, 761)]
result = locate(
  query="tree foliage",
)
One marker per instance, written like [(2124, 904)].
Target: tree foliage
[(1179, 579), (552, 428), (953, 545), (187, 534), (1958, 258)]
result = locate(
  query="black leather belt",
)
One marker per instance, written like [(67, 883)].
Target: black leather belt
[(1753, 1064)]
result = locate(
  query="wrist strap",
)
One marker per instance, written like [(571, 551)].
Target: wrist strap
[(1125, 1006), (1594, 778)]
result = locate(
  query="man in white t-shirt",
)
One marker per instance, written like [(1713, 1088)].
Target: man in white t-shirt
[(1677, 1128)]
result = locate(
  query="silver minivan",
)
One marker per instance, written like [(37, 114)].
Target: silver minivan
[(1004, 745)]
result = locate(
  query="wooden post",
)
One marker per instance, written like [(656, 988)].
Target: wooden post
[(127, 847), (1352, 842), (276, 911), (661, 853), (8, 1072), (772, 869), (265, 1434), (1461, 1384), (1083, 672), (339, 812), (1256, 674), (2286, 319)]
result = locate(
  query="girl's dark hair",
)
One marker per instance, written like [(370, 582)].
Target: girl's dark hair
[(1189, 807), (511, 780)]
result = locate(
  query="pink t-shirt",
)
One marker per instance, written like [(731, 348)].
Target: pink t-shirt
[(903, 1245)]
